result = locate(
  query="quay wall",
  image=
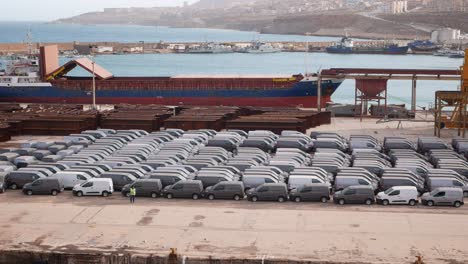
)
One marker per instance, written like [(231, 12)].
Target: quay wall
[(33, 257)]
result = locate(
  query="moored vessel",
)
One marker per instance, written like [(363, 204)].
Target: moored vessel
[(54, 85), (260, 47), (209, 48), (347, 46)]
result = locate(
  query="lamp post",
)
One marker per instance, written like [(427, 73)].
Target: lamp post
[(142, 46), (307, 53), (94, 83)]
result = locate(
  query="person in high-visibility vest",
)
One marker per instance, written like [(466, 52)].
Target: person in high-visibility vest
[(132, 194)]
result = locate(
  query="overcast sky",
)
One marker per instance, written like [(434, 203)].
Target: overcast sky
[(46, 10)]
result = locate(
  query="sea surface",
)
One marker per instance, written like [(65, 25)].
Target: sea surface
[(285, 63), (47, 32)]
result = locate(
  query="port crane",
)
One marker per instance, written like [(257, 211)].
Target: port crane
[(456, 100)]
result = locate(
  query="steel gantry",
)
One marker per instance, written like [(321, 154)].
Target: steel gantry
[(457, 101)]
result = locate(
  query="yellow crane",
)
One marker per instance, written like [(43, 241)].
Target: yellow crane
[(457, 100)]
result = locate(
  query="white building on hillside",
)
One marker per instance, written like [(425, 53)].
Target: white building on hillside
[(446, 36), (396, 7)]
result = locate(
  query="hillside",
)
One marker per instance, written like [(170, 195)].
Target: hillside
[(277, 17), (433, 20)]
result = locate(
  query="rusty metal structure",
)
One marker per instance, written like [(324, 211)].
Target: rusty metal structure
[(146, 117), (368, 91), (457, 102), (280, 120), (371, 84), (203, 117), (48, 119), (64, 119)]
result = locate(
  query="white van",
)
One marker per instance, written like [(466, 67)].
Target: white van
[(71, 178), (94, 186), (398, 195)]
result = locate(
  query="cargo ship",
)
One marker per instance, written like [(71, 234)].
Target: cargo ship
[(51, 84), (423, 47), (346, 46)]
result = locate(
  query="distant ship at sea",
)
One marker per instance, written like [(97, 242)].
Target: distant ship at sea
[(346, 46), (209, 47), (260, 47)]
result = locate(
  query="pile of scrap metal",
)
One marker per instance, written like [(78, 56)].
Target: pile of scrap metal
[(147, 117), (344, 110), (391, 111)]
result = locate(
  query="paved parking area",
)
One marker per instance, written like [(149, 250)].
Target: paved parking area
[(346, 126), (305, 231)]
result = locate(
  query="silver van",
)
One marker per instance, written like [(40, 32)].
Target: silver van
[(144, 187), (2, 182), (226, 190), (269, 192), (212, 179), (253, 181), (316, 192), (119, 179), (357, 194), (17, 179), (436, 182), (443, 196), (51, 186), (184, 189), (341, 182), (167, 178)]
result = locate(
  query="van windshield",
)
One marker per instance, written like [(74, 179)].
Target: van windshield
[(388, 191)]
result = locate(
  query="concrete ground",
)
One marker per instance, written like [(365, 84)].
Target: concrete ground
[(380, 129), (224, 229), (305, 231)]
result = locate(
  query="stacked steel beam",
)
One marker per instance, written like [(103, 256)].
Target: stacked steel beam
[(203, 118), (51, 120), (278, 120)]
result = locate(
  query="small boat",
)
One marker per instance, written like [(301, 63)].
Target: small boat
[(445, 52)]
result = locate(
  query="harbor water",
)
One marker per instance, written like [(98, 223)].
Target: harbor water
[(284, 63)]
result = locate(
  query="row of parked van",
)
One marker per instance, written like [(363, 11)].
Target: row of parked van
[(211, 157), (193, 189), (400, 163)]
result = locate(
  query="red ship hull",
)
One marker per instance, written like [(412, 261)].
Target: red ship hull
[(244, 101)]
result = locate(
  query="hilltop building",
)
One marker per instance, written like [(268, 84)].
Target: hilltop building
[(396, 7), (447, 5)]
